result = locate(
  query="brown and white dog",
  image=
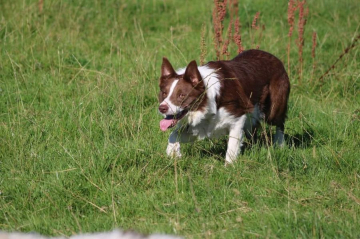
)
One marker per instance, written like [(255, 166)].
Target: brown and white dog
[(223, 98)]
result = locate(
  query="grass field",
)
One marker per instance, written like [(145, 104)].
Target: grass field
[(80, 144)]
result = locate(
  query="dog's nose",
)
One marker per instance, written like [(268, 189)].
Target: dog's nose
[(163, 108)]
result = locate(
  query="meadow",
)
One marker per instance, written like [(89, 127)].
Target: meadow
[(80, 144)]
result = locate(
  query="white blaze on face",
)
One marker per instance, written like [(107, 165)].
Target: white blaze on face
[(172, 112), (173, 109)]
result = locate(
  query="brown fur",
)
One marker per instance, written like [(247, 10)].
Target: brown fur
[(254, 77), (189, 92)]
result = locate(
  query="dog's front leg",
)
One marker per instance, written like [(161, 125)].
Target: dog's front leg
[(176, 137), (236, 136)]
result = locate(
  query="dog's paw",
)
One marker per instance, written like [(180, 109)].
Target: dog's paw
[(173, 150), (229, 164)]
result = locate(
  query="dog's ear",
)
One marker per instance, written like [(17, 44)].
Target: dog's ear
[(192, 74), (166, 68)]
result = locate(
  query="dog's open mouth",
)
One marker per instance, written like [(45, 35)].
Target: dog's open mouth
[(171, 120)]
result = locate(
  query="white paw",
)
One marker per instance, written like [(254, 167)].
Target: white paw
[(227, 164), (230, 158), (173, 150)]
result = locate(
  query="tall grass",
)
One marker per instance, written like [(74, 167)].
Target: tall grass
[(80, 146)]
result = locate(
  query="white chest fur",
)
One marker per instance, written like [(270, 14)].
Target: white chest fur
[(210, 125), (202, 125)]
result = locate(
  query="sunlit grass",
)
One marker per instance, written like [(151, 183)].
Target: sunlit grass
[(81, 149)]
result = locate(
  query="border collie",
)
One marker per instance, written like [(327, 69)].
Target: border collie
[(223, 98)]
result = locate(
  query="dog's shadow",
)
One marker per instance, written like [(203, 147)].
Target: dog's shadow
[(300, 140), (217, 148)]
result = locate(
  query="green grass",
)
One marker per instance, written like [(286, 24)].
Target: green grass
[(80, 145)]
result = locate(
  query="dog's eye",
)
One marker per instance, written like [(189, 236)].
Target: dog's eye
[(182, 96), (164, 94)]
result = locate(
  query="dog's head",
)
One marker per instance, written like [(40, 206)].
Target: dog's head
[(179, 93)]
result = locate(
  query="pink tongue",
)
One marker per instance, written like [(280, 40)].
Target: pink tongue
[(165, 124)]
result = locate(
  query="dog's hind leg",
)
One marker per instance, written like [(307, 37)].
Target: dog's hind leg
[(252, 124), (276, 111), (279, 136)]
